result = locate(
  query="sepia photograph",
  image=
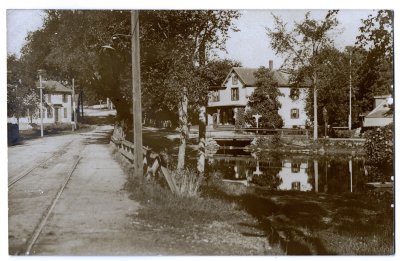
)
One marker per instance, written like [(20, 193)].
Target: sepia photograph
[(200, 132)]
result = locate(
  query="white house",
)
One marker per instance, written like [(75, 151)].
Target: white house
[(379, 116), (57, 106), (224, 100)]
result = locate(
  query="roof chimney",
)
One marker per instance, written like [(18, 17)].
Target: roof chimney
[(271, 64)]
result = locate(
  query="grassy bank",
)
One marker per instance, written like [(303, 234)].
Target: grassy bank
[(306, 146), (197, 225), (321, 224), (233, 219)]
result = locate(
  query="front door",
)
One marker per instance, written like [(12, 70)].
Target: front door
[(56, 118)]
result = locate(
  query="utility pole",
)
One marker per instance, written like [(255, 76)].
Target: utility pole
[(350, 96), (73, 105), (41, 102), (137, 94)]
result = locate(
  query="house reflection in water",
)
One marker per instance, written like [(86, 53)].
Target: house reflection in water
[(325, 175), (294, 176)]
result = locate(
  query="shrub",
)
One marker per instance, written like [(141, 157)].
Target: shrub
[(379, 150), (240, 121), (187, 182)]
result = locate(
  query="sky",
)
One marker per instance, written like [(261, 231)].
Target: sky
[(250, 46)]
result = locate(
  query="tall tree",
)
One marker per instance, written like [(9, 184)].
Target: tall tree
[(21, 92), (264, 100), (174, 44), (301, 46), (180, 41), (376, 72)]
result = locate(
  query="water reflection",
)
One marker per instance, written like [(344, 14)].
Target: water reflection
[(299, 173)]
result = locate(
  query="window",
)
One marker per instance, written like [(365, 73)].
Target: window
[(214, 96), (294, 113), (65, 113), (295, 167), (49, 112), (235, 94), (294, 94), (234, 79), (65, 98), (49, 98), (296, 185)]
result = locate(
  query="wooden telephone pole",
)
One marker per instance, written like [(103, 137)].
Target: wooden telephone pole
[(136, 95)]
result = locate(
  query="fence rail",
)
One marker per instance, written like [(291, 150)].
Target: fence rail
[(283, 132), (152, 162)]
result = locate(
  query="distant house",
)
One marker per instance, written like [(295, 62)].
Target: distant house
[(224, 100), (57, 102), (380, 115), (57, 105)]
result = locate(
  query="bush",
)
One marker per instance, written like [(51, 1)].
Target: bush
[(379, 150), (240, 121), (187, 182)]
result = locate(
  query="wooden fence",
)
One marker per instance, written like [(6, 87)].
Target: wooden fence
[(282, 132), (153, 163)]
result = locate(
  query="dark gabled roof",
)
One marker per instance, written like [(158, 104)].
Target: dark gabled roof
[(54, 87), (246, 75)]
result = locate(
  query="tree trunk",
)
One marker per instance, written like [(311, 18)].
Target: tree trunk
[(183, 126), (315, 136), (202, 140)]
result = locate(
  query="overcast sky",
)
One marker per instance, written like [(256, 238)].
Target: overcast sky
[(249, 46)]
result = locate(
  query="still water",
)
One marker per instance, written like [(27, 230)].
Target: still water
[(338, 174), (301, 173)]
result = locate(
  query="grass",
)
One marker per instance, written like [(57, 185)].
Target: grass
[(295, 223), (197, 219), (307, 224)]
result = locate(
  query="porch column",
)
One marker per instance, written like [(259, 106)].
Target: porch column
[(235, 112), (218, 116)]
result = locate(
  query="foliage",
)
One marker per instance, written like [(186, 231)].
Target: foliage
[(187, 183), (215, 71), (379, 150), (264, 100), (376, 71), (21, 92), (80, 44), (333, 84), (376, 33), (301, 47), (240, 121), (175, 45)]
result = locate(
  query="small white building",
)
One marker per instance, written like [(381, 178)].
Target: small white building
[(380, 115), (234, 93), (57, 105)]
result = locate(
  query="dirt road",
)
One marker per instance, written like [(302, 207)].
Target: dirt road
[(66, 197), (92, 209)]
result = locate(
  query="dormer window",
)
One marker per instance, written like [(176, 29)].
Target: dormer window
[(235, 79)]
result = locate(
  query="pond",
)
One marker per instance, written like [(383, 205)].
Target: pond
[(338, 174), (290, 172)]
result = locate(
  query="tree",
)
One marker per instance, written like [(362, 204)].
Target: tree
[(301, 46), (21, 92), (376, 34), (174, 44), (375, 73), (333, 85), (264, 100), (178, 43)]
